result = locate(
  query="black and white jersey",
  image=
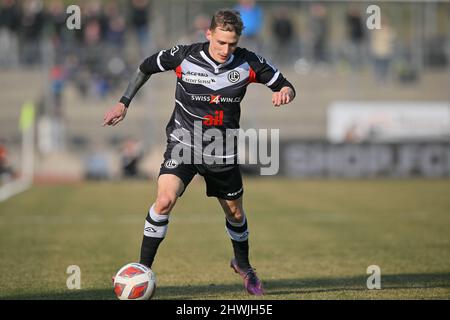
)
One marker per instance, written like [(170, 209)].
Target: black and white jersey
[(209, 93)]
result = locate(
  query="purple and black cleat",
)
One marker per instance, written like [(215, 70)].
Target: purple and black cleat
[(251, 282)]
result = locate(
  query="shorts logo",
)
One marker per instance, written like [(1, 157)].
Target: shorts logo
[(233, 76), (232, 194), (171, 164)]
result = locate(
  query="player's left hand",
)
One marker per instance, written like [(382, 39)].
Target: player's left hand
[(284, 96), (115, 115)]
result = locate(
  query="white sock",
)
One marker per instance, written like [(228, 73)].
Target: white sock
[(156, 224)]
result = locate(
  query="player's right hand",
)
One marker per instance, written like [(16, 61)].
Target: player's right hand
[(114, 115)]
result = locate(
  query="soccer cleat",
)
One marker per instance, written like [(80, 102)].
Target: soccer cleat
[(251, 282)]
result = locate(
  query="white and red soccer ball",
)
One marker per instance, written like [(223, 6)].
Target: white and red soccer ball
[(134, 281)]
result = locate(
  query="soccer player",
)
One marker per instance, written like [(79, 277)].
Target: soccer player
[(212, 78)]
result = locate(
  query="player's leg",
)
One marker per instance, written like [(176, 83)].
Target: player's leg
[(237, 229), (173, 179), (227, 186), (170, 187)]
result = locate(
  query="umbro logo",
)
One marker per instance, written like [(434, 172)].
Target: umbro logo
[(150, 229)]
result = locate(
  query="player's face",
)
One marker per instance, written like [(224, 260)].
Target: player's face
[(221, 43)]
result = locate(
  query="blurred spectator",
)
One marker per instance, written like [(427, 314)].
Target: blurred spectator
[(252, 17), (9, 28), (198, 32), (131, 155), (382, 49), (139, 13), (57, 86), (356, 36), (90, 75), (6, 172), (97, 64), (283, 30), (57, 21), (115, 26), (93, 11), (319, 32), (201, 25), (92, 56), (32, 26), (92, 31), (96, 166), (352, 133)]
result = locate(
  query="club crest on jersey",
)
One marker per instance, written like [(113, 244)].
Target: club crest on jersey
[(234, 76), (171, 164)]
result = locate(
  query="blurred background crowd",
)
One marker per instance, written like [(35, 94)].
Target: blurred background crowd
[(325, 48)]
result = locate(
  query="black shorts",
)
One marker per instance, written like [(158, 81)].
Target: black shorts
[(222, 181)]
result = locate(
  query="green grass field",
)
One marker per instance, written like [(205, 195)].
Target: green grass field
[(308, 240)]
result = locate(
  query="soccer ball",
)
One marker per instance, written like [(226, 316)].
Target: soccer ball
[(134, 281)]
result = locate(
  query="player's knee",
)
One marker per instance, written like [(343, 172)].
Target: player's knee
[(164, 203), (236, 214)]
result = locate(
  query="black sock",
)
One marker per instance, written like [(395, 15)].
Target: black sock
[(241, 253), (154, 232), (238, 232), (149, 248)]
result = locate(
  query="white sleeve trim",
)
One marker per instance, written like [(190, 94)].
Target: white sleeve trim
[(274, 78), (158, 60)]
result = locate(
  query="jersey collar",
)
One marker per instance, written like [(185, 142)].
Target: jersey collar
[(207, 57)]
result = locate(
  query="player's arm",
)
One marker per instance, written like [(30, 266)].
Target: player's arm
[(267, 74), (119, 111), (159, 62), (284, 95)]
